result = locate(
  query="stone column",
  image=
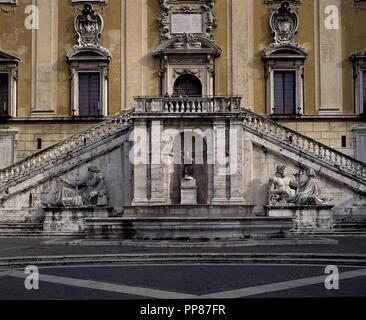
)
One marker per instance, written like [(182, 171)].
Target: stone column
[(236, 163), (7, 147), (220, 170), (140, 163), (328, 57), (157, 170), (44, 60)]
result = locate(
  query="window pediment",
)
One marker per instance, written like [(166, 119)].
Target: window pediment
[(285, 51), (88, 54), (8, 58), (192, 43)]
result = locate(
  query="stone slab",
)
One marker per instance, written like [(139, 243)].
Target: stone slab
[(72, 219), (184, 228)]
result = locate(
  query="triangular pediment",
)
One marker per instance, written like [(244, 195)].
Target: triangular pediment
[(8, 58)]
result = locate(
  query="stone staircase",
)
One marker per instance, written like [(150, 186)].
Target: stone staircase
[(333, 163), (20, 176), (21, 229), (68, 154)]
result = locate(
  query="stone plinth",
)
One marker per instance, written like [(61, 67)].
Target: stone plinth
[(280, 211), (306, 218), (72, 219), (188, 191), (185, 228), (313, 219)]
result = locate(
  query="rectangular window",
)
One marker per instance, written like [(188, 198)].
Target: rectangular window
[(89, 94), (4, 95), (284, 92)]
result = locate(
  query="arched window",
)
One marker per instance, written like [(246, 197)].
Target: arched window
[(187, 85)]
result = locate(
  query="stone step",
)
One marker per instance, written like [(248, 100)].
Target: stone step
[(179, 228), (191, 211), (20, 226), (8, 230)]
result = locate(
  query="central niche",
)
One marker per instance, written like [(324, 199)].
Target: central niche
[(187, 85), (192, 151)]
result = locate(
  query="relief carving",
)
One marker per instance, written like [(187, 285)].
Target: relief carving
[(88, 26), (284, 24), (170, 7)]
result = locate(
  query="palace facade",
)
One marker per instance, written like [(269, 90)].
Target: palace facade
[(182, 119), (47, 95)]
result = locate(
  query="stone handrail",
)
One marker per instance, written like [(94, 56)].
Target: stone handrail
[(188, 105), (305, 144), (63, 148)]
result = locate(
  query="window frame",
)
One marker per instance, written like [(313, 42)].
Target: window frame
[(283, 71), (75, 89), (8, 94), (360, 98), (359, 66), (298, 69), (185, 78), (9, 66), (100, 112)]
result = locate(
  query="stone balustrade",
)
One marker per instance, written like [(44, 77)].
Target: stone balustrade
[(187, 104), (304, 144), (58, 151)]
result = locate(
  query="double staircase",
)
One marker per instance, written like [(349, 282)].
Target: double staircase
[(103, 137)]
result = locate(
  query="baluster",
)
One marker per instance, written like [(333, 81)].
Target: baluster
[(202, 106)]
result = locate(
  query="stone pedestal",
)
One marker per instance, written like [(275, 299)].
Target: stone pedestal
[(71, 220), (280, 211), (306, 218), (188, 191), (313, 219)]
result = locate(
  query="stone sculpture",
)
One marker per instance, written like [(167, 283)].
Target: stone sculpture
[(280, 191), (304, 190), (308, 191), (91, 191)]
